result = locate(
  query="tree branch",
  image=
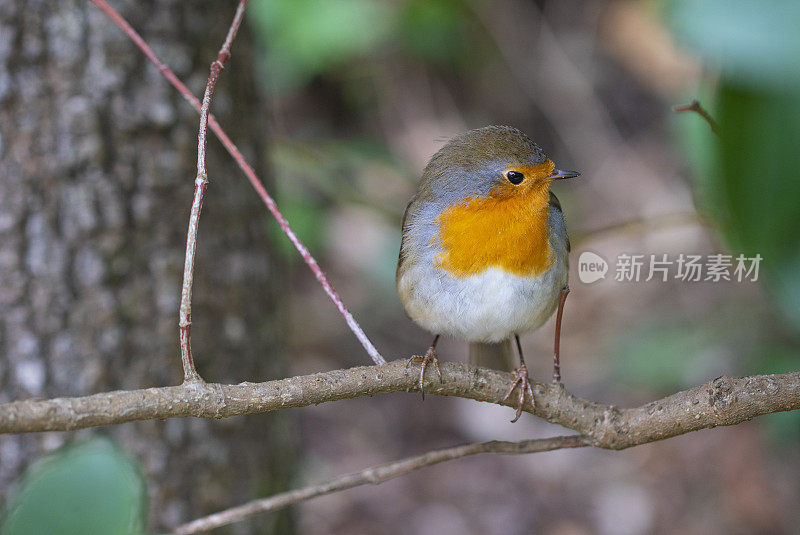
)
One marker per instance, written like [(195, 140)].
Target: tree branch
[(376, 475), (200, 184), (723, 401)]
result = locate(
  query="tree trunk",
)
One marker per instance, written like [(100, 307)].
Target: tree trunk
[(97, 166)]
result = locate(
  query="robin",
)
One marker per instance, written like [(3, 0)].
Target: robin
[(484, 253)]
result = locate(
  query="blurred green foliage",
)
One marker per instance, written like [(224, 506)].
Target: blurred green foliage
[(668, 353), (755, 42), (317, 178), (674, 354), (434, 31), (759, 159), (778, 357), (91, 488), (307, 38), (747, 177), (315, 181)]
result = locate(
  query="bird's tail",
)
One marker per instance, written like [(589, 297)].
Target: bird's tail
[(497, 356)]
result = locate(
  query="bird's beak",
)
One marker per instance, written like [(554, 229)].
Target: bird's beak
[(559, 174)]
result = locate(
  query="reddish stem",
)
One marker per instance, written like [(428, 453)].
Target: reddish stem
[(696, 107), (562, 298), (251, 176)]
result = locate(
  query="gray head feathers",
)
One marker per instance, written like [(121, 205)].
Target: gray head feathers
[(472, 163), (475, 148)]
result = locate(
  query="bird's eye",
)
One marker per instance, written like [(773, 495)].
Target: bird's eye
[(515, 177)]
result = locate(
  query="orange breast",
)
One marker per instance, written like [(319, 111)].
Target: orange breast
[(507, 230)]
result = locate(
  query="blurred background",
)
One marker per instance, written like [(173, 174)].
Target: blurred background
[(341, 103)]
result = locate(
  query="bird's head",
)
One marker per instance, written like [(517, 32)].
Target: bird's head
[(493, 161)]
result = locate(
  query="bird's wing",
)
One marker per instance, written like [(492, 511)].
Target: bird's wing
[(555, 204), (402, 257)]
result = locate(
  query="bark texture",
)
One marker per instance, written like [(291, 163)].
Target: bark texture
[(723, 401), (97, 159)]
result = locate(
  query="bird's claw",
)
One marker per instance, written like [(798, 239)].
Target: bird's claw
[(429, 357), (524, 383)]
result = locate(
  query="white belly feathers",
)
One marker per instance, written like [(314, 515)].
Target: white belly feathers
[(488, 307)]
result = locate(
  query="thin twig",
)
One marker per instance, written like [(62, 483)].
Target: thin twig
[(251, 176), (376, 475), (200, 184), (696, 107)]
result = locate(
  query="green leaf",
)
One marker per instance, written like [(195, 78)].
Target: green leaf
[(758, 164), (89, 489)]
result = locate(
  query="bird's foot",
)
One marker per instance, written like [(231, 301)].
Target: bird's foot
[(429, 357), (524, 383)]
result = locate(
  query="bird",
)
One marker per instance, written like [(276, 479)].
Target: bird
[(484, 255)]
